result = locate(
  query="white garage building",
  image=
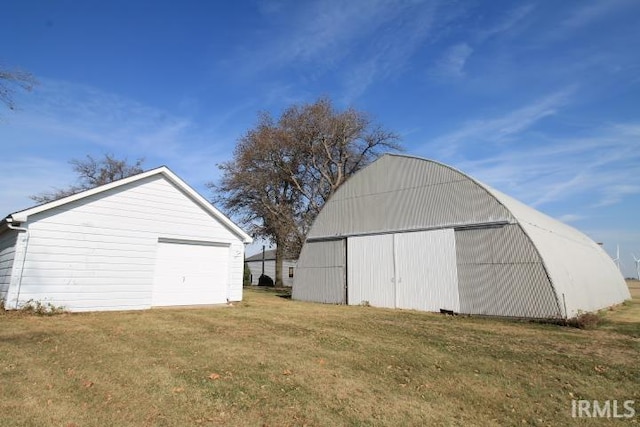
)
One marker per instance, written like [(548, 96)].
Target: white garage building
[(411, 233), (148, 240)]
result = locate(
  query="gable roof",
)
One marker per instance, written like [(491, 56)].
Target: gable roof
[(269, 255), (23, 215)]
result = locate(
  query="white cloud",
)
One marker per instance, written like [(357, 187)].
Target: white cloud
[(64, 121), (366, 40), (567, 218), (512, 19), (28, 176), (497, 130), (617, 192), (453, 61), (589, 12), (551, 169)]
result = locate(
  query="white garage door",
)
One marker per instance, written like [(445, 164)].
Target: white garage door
[(190, 273)]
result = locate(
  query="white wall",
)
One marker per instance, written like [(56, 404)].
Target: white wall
[(270, 270), (98, 253), (7, 252)]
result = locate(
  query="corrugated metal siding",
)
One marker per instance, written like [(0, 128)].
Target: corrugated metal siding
[(98, 253), (582, 273), (320, 273), (403, 194), (7, 252), (528, 271), (370, 272), (501, 274), (426, 271)]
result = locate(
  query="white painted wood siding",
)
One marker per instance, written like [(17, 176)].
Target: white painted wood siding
[(7, 252), (98, 253)]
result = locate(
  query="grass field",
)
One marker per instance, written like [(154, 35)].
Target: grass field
[(272, 361)]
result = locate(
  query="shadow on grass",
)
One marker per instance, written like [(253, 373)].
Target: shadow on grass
[(279, 292)]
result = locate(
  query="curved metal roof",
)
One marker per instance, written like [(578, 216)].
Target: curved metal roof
[(399, 193)]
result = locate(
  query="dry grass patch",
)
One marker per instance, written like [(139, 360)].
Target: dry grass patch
[(273, 361)]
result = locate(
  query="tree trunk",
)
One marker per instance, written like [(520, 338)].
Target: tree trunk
[(279, 258)]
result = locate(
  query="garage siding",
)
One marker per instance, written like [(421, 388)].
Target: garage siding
[(7, 254), (98, 252)]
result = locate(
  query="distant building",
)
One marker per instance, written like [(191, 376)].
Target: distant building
[(254, 263), (412, 233)]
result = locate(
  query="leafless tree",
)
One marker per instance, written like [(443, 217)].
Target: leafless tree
[(92, 173), (284, 171), (12, 79)]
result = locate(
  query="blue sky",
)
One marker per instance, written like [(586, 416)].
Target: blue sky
[(540, 100)]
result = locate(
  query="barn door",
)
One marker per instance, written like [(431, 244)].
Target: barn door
[(414, 270), (190, 274), (426, 271), (370, 270)]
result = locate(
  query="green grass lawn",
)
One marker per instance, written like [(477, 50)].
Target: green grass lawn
[(272, 361)]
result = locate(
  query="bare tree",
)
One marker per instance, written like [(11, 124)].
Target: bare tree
[(284, 171), (12, 79), (93, 173)]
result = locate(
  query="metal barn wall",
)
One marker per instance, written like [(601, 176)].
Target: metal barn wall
[(320, 272), (501, 274), (533, 267), (584, 277), (398, 193)]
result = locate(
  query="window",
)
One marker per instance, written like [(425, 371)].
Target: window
[(290, 271)]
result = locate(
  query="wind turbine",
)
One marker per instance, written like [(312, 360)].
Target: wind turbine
[(617, 258), (637, 260)]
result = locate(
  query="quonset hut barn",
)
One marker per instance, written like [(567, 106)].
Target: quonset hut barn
[(411, 233)]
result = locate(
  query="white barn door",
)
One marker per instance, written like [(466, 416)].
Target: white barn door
[(370, 270), (414, 270), (427, 276), (190, 274)]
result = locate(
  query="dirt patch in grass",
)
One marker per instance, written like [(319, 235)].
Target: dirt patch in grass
[(273, 361)]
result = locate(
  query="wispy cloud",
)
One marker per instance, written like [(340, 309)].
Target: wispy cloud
[(366, 40), (453, 61), (497, 130), (512, 19), (582, 16), (65, 121), (589, 12), (598, 168), (568, 218)]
